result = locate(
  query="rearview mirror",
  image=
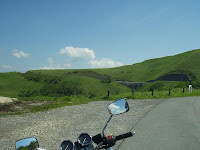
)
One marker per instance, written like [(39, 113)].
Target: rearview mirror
[(118, 107), (27, 144)]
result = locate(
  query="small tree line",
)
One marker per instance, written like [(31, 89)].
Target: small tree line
[(52, 86)]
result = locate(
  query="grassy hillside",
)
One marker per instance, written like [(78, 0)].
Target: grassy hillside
[(12, 83), (186, 63), (92, 82), (58, 88), (94, 87), (42, 90), (35, 84)]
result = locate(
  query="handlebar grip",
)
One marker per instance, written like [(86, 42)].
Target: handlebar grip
[(123, 136), (97, 138)]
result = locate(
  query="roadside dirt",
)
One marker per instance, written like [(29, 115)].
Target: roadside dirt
[(4, 100), (11, 108)]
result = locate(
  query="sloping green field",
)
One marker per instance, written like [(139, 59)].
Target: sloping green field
[(96, 82), (12, 83), (58, 88), (186, 63)]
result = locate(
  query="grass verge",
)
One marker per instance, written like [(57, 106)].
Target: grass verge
[(42, 103)]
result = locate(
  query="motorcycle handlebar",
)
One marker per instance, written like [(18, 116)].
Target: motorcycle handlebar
[(123, 136), (110, 140)]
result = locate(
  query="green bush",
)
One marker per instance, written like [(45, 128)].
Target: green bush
[(181, 84), (157, 86), (196, 84), (106, 80)]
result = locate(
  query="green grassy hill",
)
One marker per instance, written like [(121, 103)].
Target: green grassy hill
[(96, 82), (36, 84), (58, 88), (185, 63), (12, 83)]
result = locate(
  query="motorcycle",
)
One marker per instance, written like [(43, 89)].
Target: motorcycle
[(85, 141)]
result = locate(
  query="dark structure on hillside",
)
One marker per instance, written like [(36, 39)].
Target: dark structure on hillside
[(172, 77), (166, 77)]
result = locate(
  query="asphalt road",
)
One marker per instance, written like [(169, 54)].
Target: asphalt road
[(171, 125)]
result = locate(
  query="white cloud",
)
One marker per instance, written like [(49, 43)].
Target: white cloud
[(53, 67), (104, 63), (20, 54), (78, 53), (86, 55), (50, 60), (7, 67), (116, 109)]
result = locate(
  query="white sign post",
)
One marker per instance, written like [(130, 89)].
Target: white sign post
[(190, 89)]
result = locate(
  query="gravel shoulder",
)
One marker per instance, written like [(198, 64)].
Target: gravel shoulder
[(54, 126)]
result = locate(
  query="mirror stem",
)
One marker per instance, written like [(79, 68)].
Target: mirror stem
[(107, 124)]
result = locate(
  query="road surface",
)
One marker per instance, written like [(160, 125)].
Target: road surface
[(67, 123), (171, 125)]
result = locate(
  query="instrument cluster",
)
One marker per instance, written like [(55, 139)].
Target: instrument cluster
[(84, 141)]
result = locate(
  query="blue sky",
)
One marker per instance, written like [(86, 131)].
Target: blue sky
[(63, 34)]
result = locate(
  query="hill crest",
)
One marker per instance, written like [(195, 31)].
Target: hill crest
[(185, 63)]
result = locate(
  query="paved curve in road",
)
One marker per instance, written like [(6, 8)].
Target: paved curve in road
[(172, 125)]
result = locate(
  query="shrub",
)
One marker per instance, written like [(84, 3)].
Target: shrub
[(108, 80), (157, 86)]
